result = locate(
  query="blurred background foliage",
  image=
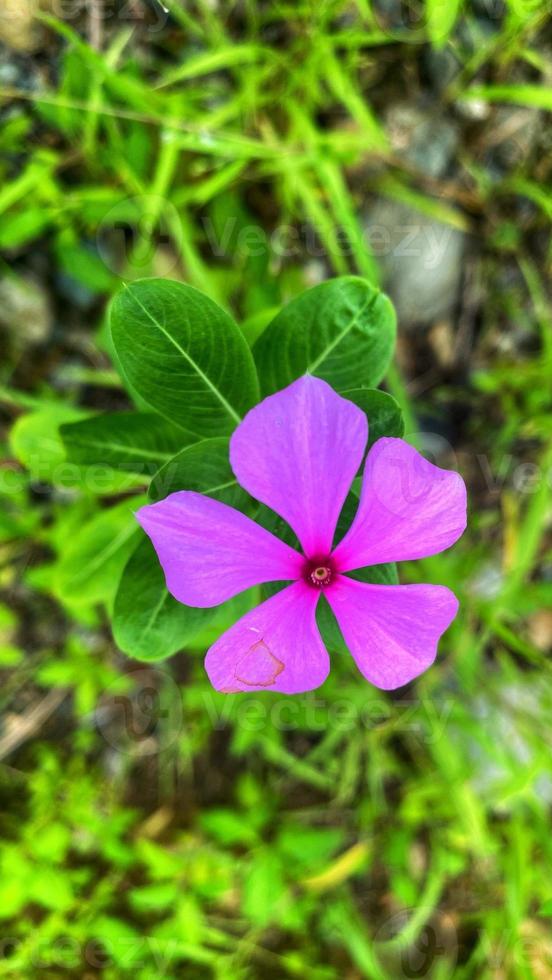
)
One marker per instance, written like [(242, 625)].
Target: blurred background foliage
[(149, 826)]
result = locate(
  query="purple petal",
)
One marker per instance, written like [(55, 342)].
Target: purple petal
[(408, 508), (275, 647), (392, 631), (298, 452), (210, 552)]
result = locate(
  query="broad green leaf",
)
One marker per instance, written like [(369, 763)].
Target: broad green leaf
[(203, 467), (138, 442), (36, 442), (89, 570), (342, 331), (225, 616), (383, 412), (184, 355), (148, 623)]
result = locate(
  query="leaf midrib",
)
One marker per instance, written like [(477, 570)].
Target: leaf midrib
[(218, 394), (120, 447), (208, 490), (369, 302), (117, 542), (156, 612)]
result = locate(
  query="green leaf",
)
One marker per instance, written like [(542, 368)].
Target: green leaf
[(125, 944), (203, 467), (83, 264), (441, 18), (20, 227), (306, 849), (51, 889), (36, 442), (533, 96), (51, 844), (154, 898), (138, 442), (383, 412), (10, 655), (89, 570), (263, 888), (148, 624), (225, 616), (184, 355), (227, 827), (342, 331), (256, 324)]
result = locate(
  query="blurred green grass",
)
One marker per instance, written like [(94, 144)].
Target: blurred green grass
[(151, 827)]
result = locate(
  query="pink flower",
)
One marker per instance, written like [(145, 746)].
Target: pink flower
[(298, 452)]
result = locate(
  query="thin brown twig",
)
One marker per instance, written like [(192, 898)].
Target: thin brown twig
[(25, 726), (95, 24)]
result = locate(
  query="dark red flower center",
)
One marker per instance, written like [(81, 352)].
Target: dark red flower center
[(318, 572)]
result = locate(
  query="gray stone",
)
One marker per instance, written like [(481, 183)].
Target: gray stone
[(443, 66), (24, 310), (421, 260), (9, 72), (428, 142)]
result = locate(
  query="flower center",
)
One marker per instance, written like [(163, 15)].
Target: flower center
[(318, 572)]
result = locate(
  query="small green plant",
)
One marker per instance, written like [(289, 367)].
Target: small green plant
[(193, 376)]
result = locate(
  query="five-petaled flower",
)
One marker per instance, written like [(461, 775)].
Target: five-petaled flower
[(298, 452)]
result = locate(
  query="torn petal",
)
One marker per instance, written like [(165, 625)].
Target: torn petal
[(274, 647)]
